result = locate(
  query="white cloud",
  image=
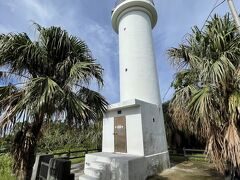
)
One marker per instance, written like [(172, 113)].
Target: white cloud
[(39, 8), (103, 43), (42, 11)]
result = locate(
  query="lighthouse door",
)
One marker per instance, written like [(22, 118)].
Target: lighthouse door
[(120, 139)]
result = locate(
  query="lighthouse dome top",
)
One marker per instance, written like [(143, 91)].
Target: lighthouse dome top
[(120, 1), (124, 6)]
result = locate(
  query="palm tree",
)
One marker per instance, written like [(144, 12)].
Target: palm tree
[(207, 97), (49, 80)]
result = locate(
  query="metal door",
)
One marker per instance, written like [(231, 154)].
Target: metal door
[(120, 138)]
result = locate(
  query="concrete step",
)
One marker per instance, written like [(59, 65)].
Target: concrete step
[(93, 172), (86, 177), (76, 171), (77, 166), (77, 175), (104, 160), (99, 165)]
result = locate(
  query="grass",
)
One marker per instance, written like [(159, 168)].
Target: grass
[(5, 167), (198, 157), (193, 157), (6, 163), (77, 160)]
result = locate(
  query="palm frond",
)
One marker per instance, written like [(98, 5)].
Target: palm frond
[(94, 100), (232, 145), (234, 105), (83, 72), (43, 76), (211, 61)]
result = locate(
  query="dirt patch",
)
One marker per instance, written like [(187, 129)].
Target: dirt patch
[(189, 170)]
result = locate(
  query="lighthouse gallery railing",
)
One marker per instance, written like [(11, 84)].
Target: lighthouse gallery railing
[(120, 1)]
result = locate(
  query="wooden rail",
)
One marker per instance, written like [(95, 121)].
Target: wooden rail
[(194, 151), (69, 152), (188, 153), (86, 151)]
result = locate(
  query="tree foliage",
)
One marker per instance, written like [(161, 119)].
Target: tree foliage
[(48, 79), (177, 138), (207, 97), (5, 167), (59, 137)]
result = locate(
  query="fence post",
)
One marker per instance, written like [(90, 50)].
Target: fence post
[(86, 151), (68, 154), (184, 152)]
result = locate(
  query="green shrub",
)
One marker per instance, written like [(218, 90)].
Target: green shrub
[(5, 167), (58, 137)]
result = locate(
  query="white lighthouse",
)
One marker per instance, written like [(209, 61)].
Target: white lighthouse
[(133, 20), (134, 139)]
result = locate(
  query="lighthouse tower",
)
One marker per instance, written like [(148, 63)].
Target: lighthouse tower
[(133, 20), (134, 142)]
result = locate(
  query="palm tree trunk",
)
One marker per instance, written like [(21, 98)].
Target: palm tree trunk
[(24, 150), (31, 158)]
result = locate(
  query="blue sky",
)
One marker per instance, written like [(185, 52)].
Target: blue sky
[(91, 21)]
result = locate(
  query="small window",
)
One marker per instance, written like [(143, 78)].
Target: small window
[(153, 119), (126, 70), (119, 112)]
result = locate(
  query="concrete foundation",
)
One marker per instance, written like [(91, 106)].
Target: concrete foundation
[(123, 166), (146, 147)]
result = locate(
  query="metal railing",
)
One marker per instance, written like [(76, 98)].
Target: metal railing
[(44, 167), (43, 171)]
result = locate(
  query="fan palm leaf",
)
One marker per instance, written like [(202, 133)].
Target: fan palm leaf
[(211, 107), (50, 78)]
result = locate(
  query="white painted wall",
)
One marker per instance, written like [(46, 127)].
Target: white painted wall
[(134, 135), (144, 137), (154, 136), (138, 73), (108, 137), (134, 132)]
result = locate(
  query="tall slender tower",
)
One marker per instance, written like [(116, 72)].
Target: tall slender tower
[(134, 140), (133, 20)]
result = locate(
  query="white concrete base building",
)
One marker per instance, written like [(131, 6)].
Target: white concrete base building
[(134, 139)]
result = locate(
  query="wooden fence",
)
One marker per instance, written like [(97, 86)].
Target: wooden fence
[(75, 154), (194, 153), (65, 155), (188, 153)]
